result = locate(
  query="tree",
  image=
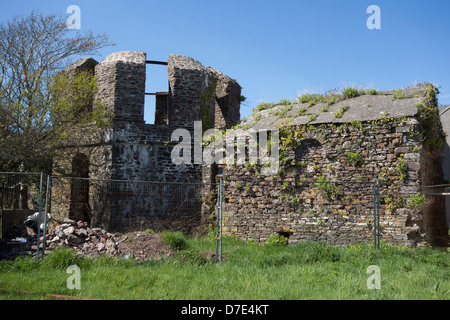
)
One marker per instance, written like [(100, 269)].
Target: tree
[(39, 102)]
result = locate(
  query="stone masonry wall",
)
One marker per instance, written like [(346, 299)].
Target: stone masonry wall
[(292, 203), (190, 91), (227, 105), (121, 79)]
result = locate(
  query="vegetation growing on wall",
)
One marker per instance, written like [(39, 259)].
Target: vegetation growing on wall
[(204, 106), (429, 115)]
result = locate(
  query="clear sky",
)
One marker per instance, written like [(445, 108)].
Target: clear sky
[(275, 49)]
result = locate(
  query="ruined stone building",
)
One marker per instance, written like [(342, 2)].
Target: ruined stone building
[(132, 150), (332, 150)]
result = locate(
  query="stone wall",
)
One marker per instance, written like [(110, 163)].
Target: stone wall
[(445, 119), (121, 80), (190, 88), (227, 105), (354, 155)]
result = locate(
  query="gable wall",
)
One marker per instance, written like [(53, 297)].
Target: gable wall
[(257, 206)]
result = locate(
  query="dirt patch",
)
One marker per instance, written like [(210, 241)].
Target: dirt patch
[(143, 245)]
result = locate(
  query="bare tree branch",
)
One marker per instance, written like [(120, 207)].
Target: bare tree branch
[(33, 51)]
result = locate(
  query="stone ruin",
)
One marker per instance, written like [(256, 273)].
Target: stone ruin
[(132, 150), (394, 136), (382, 131)]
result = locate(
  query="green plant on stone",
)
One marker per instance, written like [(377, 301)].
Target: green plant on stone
[(306, 97), (301, 110), (351, 93), (417, 201), (281, 112), (341, 111), (402, 167), (353, 157), (398, 95), (286, 185), (284, 102), (312, 117), (328, 188), (333, 99), (277, 240), (311, 103), (264, 106), (357, 124)]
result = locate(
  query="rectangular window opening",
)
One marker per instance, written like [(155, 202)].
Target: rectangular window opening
[(156, 93)]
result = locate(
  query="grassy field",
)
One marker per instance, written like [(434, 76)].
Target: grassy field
[(249, 271)]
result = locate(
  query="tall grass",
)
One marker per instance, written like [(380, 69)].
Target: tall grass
[(248, 271)]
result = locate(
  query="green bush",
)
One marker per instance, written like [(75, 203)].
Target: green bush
[(284, 102), (307, 97), (417, 201), (351, 92), (277, 240), (175, 240), (341, 111), (353, 157)]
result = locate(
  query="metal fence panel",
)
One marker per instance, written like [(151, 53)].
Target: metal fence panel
[(335, 212), (20, 213), (121, 205)]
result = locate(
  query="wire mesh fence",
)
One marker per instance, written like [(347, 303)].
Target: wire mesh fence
[(120, 205), (336, 212), (20, 213)]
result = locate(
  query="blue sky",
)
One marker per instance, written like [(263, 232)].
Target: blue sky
[(275, 49)]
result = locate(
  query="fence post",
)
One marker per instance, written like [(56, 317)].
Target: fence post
[(45, 216), (376, 213), (40, 214), (221, 218), (219, 222)]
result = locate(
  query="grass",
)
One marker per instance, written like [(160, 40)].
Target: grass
[(248, 271)]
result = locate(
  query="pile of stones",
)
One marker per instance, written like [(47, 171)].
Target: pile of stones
[(79, 236)]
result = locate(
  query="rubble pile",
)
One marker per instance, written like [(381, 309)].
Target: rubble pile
[(94, 241), (82, 238)]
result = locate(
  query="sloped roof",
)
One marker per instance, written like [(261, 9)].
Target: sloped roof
[(361, 108)]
